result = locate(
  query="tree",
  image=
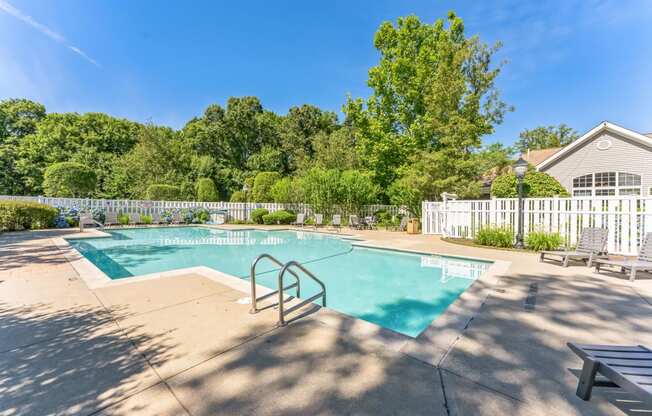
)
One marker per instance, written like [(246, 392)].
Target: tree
[(163, 192), (535, 185), (357, 189), (69, 180), (287, 190), (337, 150), (321, 188), (206, 190), (433, 89), (263, 183), (546, 137), (298, 129)]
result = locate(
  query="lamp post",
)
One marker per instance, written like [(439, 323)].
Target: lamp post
[(245, 189), (520, 167)]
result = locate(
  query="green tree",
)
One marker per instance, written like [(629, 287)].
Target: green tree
[(206, 190), (357, 189), (337, 150), (163, 192), (69, 180), (287, 190), (321, 188), (433, 89), (535, 185), (546, 137), (263, 184), (298, 129)]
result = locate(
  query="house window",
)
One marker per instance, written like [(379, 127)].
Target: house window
[(608, 184)]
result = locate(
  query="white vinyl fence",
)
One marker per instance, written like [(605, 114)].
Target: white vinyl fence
[(626, 218), (236, 210)]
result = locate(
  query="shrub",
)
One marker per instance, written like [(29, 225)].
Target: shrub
[(280, 217), (161, 192), (495, 237), (263, 184), (540, 240), (69, 180), (535, 185), (258, 214), (123, 219), (146, 219), (357, 189), (19, 215), (206, 191), (238, 196), (287, 191), (67, 217)]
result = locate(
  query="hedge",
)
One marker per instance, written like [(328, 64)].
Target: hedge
[(18, 215), (279, 217), (161, 192), (535, 185), (258, 214), (69, 180)]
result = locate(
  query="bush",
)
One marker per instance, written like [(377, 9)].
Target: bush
[(146, 219), (18, 215), (357, 189), (495, 237), (258, 214), (263, 184), (543, 241), (280, 217), (69, 180), (67, 217), (161, 192), (123, 219), (206, 191), (535, 185), (238, 196), (287, 191)]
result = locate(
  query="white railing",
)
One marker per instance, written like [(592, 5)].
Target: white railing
[(626, 218), (236, 210)]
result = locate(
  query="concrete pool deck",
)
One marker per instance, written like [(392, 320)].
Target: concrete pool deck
[(186, 345)]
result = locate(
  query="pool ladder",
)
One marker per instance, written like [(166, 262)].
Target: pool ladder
[(285, 268)]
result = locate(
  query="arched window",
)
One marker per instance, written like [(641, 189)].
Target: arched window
[(607, 184)]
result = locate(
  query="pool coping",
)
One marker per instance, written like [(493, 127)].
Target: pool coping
[(430, 346)]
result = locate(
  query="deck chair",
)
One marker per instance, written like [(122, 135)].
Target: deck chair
[(134, 218), (593, 242), (156, 217), (86, 220), (111, 218), (403, 225), (337, 221), (176, 218), (627, 366), (319, 220), (301, 219), (642, 262)]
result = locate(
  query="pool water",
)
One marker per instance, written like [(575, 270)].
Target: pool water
[(400, 291)]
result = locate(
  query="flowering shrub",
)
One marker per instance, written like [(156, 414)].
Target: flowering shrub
[(167, 216), (67, 217)]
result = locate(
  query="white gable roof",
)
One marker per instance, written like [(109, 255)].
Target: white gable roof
[(600, 128)]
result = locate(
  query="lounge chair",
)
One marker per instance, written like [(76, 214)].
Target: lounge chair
[(134, 218), (593, 242), (156, 217), (628, 366), (176, 218), (354, 222), (370, 222), (642, 262), (301, 219), (319, 220), (111, 218), (402, 226), (337, 221), (85, 220)]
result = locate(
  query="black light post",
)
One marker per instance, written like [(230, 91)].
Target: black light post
[(520, 167)]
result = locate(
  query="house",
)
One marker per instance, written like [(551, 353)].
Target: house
[(609, 160)]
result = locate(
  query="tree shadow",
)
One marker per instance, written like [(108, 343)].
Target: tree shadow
[(76, 361)]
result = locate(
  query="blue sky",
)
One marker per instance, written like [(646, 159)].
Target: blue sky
[(575, 61)]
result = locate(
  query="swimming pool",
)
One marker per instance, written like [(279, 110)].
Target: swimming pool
[(400, 291)]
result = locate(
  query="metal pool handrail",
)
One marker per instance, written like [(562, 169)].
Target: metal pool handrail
[(254, 300), (281, 310)]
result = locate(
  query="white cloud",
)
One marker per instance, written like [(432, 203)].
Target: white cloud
[(11, 10)]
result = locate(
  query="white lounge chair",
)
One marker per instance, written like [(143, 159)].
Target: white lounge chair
[(337, 221), (319, 220), (111, 218), (593, 242), (301, 219), (642, 262), (134, 218), (156, 217)]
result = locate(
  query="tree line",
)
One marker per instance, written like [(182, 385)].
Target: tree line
[(419, 134)]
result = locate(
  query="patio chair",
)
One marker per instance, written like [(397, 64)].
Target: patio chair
[(86, 220), (111, 218), (593, 242), (627, 366), (319, 220), (176, 218), (370, 222), (156, 217), (301, 219), (337, 221), (402, 225), (642, 262), (134, 218)]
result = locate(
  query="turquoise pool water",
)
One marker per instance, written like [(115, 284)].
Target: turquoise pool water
[(400, 291)]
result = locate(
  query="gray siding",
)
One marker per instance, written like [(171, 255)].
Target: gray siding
[(623, 156)]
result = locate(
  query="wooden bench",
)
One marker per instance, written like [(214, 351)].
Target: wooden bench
[(628, 366)]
